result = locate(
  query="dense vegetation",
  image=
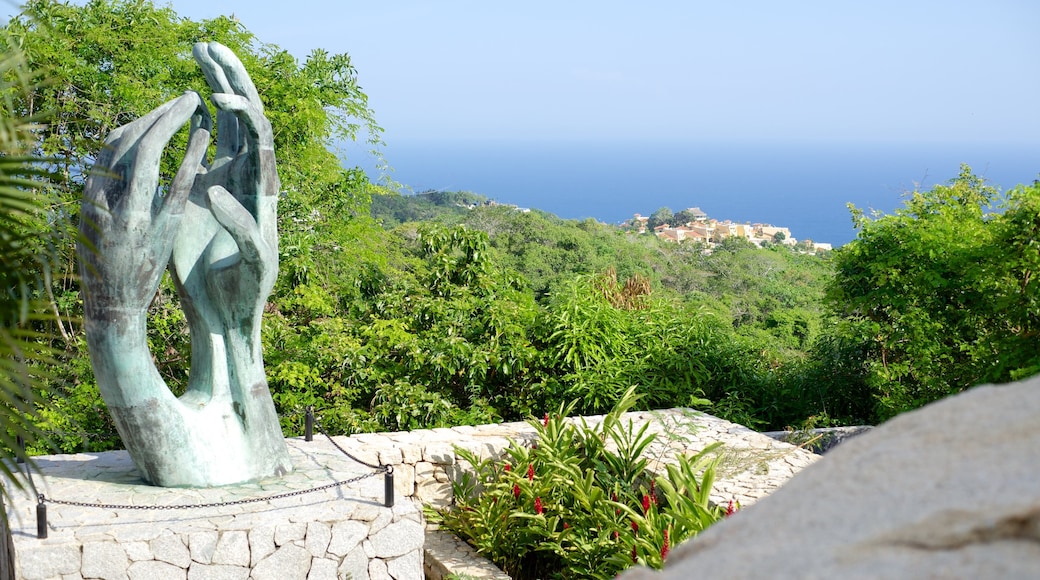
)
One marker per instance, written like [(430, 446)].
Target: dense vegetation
[(399, 312)]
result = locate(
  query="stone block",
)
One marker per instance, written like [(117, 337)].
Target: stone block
[(398, 539), (390, 456), (154, 570), (377, 570), (346, 536), (217, 572), (47, 561), (289, 562), (318, 537), (406, 567), (170, 549), (287, 533), (439, 453), (355, 565), (137, 551), (411, 453), (202, 544), (404, 479), (323, 569), (232, 549), (383, 519), (104, 560), (434, 493), (261, 543)]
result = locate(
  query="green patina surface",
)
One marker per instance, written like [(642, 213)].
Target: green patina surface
[(214, 226)]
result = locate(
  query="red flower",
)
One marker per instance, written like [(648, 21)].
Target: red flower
[(617, 535), (538, 505), (566, 525), (508, 468), (545, 421), (664, 548), (635, 526), (730, 510), (530, 472), (634, 555), (646, 503), (653, 492), (516, 490)]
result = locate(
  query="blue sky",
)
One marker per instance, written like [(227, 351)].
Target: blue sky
[(741, 70)]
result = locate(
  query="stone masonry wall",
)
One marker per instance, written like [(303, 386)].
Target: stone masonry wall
[(340, 532), (336, 533)]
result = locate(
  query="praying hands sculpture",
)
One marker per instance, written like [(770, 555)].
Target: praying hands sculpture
[(214, 225)]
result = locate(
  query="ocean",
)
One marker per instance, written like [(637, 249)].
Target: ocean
[(802, 186)]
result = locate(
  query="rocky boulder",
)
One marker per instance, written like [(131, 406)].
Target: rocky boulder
[(951, 490)]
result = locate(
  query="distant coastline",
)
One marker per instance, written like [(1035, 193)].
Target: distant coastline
[(806, 187)]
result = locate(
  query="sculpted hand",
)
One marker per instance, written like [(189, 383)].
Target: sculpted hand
[(125, 218), (216, 229), (227, 261)]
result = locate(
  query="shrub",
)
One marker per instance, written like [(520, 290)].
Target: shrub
[(579, 503)]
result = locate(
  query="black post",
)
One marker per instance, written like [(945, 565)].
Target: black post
[(388, 482), (308, 425), (41, 519), (21, 445)]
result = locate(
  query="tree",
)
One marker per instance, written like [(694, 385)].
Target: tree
[(111, 61), (946, 288), (660, 217), (24, 266), (684, 216)]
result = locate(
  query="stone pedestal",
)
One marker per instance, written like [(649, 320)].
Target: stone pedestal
[(339, 532)]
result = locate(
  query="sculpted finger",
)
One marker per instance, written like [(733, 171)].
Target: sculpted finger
[(228, 139), (251, 116), (148, 149), (235, 73), (239, 223), (171, 206)]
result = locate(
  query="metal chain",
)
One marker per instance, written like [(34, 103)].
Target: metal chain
[(44, 499), (379, 469)]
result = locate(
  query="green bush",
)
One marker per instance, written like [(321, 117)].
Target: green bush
[(579, 503)]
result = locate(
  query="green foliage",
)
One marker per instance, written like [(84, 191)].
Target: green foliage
[(944, 289), (27, 258), (662, 216), (392, 209), (579, 502)]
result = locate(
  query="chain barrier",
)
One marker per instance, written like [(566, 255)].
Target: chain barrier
[(386, 470)]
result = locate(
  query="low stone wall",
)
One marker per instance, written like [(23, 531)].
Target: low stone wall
[(340, 532), (425, 461), (336, 533)]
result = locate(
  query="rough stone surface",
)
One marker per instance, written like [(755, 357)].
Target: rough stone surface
[(171, 549), (395, 541), (318, 537), (104, 560), (217, 572), (232, 549), (323, 569), (289, 562), (154, 570), (406, 567), (47, 561), (202, 545), (947, 491)]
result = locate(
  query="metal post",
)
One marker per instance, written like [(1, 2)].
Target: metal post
[(308, 425), (41, 519), (388, 481)]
